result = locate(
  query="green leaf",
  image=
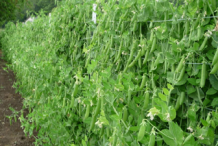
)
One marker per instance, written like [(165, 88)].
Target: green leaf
[(170, 87), (170, 77), (172, 112), (103, 119), (195, 94), (204, 123), (192, 81), (214, 81), (166, 92), (183, 80), (211, 91), (83, 143), (190, 89), (92, 66), (162, 96), (214, 102), (195, 69), (205, 135), (134, 128), (88, 120), (115, 118), (191, 114), (176, 132), (210, 54), (215, 39), (190, 141), (173, 136), (206, 101), (168, 137)]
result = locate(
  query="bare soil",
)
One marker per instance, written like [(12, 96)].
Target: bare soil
[(10, 135)]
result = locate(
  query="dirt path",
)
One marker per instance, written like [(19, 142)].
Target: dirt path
[(10, 135)]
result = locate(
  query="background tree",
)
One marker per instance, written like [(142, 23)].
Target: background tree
[(7, 8), (33, 7)]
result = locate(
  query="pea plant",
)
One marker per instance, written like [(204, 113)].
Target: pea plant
[(145, 74)]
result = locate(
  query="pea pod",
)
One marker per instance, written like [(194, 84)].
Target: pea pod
[(102, 132), (215, 58), (64, 102), (119, 24), (152, 138), (153, 83), (87, 61), (119, 52), (208, 117), (107, 23), (92, 123), (141, 131), (153, 44), (104, 20), (214, 69), (146, 101), (187, 139), (115, 140), (181, 64), (131, 53), (146, 57), (140, 62), (187, 26), (134, 18), (134, 26), (157, 60), (130, 119), (118, 65), (151, 25), (125, 113), (196, 23), (143, 50), (181, 73), (122, 27), (180, 100), (87, 111), (179, 31), (199, 96), (203, 44), (143, 82), (199, 32), (76, 87), (136, 59), (115, 14), (203, 75), (72, 101), (129, 96), (107, 47), (98, 108)]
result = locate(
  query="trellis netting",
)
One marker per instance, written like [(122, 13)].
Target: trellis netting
[(144, 74)]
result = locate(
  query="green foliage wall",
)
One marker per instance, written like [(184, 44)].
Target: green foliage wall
[(145, 74)]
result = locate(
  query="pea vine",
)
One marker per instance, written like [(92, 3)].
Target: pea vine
[(145, 74)]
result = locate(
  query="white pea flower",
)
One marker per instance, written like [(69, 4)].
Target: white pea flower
[(151, 116), (152, 112), (99, 124), (168, 116), (116, 89), (190, 129), (201, 137), (91, 103)]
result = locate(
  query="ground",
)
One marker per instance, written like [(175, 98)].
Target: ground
[(10, 135)]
